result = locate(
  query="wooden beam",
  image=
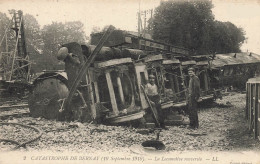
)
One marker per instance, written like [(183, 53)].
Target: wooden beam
[(172, 83), (120, 90), (113, 62), (153, 58), (5, 53), (250, 106), (15, 50), (6, 43), (90, 96), (256, 111), (13, 106), (112, 93), (205, 81), (162, 88), (247, 103), (17, 68), (141, 69), (176, 82), (183, 80), (96, 91)]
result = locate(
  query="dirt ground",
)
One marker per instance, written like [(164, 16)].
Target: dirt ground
[(223, 127)]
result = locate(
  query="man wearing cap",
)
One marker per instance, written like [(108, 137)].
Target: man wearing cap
[(192, 98), (153, 95)]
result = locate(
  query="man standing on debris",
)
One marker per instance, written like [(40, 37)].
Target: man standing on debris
[(153, 95), (193, 98)]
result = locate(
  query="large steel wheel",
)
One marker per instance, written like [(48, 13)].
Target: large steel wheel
[(47, 97)]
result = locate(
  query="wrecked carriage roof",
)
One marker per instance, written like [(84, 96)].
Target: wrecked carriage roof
[(221, 60)]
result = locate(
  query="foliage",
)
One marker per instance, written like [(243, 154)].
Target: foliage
[(35, 46), (43, 44), (192, 25), (4, 21), (226, 37), (56, 34), (5, 29), (107, 26), (96, 29), (32, 32)]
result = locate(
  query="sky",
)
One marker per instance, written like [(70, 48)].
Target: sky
[(123, 14)]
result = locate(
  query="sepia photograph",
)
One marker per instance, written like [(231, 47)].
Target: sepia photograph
[(130, 81)]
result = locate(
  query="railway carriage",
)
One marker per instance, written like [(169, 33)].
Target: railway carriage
[(110, 91)]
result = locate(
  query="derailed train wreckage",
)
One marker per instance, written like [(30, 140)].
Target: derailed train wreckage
[(110, 90)]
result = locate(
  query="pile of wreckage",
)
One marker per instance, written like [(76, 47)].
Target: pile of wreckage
[(103, 81)]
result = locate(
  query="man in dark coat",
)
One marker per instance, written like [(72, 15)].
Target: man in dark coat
[(193, 98)]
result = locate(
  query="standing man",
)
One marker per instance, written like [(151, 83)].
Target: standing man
[(153, 95), (192, 98)]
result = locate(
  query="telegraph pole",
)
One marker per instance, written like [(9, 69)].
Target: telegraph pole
[(144, 31), (145, 13), (139, 19)]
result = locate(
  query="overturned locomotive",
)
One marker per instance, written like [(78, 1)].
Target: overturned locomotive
[(110, 90)]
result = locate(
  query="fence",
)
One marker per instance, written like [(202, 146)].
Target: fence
[(253, 105)]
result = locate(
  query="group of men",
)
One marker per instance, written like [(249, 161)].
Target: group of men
[(193, 95)]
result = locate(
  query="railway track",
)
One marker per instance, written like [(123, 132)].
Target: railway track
[(12, 107)]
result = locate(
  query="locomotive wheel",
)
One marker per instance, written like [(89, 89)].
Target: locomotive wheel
[(46, 98)]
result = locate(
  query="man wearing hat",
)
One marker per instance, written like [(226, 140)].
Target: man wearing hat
[(153, 95), (192, 98)]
